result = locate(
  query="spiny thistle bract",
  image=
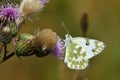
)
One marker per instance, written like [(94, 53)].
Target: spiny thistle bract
[(24, 45), (8, 32), (25, 36)]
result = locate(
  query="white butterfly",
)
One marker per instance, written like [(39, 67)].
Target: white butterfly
[(79, 50)]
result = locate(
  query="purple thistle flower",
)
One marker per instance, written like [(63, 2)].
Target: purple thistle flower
[(9, 12), (58, 49), (44, 1)]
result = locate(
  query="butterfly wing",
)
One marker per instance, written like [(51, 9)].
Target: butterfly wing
[(92, 47), (79, 50), (73, 57)]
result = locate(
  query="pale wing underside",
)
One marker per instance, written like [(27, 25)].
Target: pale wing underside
[(74, 59), (79, 50), (90, 46)]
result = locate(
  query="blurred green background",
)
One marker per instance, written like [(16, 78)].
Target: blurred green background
[(104, 24)]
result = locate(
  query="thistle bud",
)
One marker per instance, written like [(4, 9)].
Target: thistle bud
[(25, 36), (24, 48), (25, 45)]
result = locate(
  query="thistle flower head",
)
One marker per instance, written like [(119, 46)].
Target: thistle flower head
[(9, 12), (28, 7), (58, 49), (46, 38)]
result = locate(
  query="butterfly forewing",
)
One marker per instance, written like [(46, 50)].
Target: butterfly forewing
[(90, 46)]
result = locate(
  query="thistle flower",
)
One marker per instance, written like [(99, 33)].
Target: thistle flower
[(8, 28), (28, 7), (59, 48), (9, 12), (44, 42), (46, 38), (40, 45)]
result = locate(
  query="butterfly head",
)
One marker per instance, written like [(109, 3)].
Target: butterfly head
[(68, 39)]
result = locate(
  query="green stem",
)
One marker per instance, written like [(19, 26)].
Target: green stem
[(7, 57), (5, 51)]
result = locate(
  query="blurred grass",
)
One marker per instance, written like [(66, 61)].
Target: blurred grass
[(104, 24)]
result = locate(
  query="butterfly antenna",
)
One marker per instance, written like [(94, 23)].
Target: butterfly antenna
[(68, 33), (64, 26)]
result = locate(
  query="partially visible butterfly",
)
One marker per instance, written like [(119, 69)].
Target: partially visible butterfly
[(79, 50)]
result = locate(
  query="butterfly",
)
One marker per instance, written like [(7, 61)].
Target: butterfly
[(79, 50)]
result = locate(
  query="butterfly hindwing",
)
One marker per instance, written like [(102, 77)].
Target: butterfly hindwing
[(74, 59), (79, 50)]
